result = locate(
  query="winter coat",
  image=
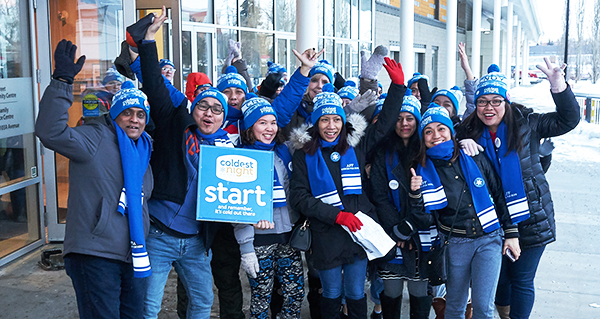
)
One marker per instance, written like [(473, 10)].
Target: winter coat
[(94, 226), (332, 246), (539, 229), (397, 224), (467, 224)]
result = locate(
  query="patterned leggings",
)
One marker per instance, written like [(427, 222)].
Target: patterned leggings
[(285, 262)]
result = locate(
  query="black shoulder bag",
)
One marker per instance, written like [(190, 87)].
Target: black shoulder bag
[(301, 237)]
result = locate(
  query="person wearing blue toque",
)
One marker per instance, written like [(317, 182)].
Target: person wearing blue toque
[(105, 249)]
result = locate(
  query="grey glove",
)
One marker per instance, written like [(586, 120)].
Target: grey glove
[(361, 102), (546, 147), (235, 51), (370, 68), (250, 264)]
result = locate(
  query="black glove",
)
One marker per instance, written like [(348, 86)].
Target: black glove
[(137, 31), (270, 84), (64, 68), (426, 95), (123, 61), (339, 81)]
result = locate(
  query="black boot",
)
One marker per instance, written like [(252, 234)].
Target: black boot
[(390, 307), (330, 308), (314, 296), (357, 309), (420, 307)]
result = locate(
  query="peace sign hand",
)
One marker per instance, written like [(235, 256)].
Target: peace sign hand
[(415, 181), (556, 76), (308, 58)]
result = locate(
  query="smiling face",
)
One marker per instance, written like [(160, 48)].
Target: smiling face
[(168, 71), (490, 115), (414, 89), (446, 103), (330, 127), (132, 121), (265, 129), (406, 126), (436, 133), (208, 121), (316, 84), (235, 97)]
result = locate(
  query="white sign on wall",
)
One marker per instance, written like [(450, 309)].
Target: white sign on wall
[(16, 107)]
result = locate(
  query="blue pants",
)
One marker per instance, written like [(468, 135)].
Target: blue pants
[(475, 262), (352, 283), (105, 288), (192, 264), (515, 287)]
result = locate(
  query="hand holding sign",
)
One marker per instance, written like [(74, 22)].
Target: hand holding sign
[(415, 181), (264, 225)]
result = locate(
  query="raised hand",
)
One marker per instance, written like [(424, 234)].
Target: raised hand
[(370, 68), (361, 102), (395, 71), (556, 75), (64, 67), (156, 24), (464, 61), (415, 181), (308, 58), (470, 147)]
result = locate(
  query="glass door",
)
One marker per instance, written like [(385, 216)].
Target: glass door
[(20, 183), (198, 51)]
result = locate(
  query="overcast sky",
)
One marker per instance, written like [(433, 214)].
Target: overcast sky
[(551, 16)]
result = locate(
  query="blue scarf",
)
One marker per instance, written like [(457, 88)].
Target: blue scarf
[(135, 158), (426, 236), (282, 151), (508, 167), (219, 138), (321, 181), (436, 197)]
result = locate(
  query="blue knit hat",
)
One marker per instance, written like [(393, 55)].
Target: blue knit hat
[(112, 75), (416, 76), (378, 108), (164, 62), (384, 95), (231, 79), (327, 102), (254, 108), (411, 105), (323, 67), (127, 97), (493, 83), (275, 68), (454, 94), (214, 93), (349, 91), (435, 113)]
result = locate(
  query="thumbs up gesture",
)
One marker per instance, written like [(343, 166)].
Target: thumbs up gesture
[(415, 181)]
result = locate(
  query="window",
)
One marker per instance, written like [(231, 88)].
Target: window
[(223, 37), (226, 12), (257, 49), (257, 14), (342, 18), (285, 15), (197, 11), (365, 19)]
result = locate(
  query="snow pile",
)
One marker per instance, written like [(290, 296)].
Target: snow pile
[(582, 144)]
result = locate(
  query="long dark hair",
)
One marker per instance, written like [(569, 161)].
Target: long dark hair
[(342, 146), (472, 127), (423, 152)]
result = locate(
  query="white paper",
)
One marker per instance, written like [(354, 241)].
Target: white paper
[(371, 237)]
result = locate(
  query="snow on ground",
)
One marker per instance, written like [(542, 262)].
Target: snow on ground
[(581, 144)]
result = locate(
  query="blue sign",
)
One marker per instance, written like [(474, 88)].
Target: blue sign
[(235, 185)]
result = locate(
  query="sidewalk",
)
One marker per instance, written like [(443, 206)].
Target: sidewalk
[(567, 283)]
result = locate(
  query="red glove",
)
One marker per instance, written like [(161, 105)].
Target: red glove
[(394, 69), (348, 220)]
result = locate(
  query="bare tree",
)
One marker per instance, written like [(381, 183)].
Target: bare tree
[(595, 44), (579, 26)]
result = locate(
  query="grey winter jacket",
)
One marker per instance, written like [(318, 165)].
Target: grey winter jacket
[(94, 226)]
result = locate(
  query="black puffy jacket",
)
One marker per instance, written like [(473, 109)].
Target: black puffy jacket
[(539, 229)]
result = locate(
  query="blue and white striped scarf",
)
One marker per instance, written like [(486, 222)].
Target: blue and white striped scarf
[(282, 151), (432, 189), (321, 181), (508, 167), (135, 158)]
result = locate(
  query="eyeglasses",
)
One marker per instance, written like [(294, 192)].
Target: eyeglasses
[(484, 103), (169, 69), (215, 109)]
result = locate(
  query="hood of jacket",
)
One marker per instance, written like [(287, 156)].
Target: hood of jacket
[(300, 136)]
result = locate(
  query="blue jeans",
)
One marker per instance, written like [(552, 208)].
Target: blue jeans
[(192, 264), (352, 283), (105, 288), (376, 285), (475, 262), (515, 287)]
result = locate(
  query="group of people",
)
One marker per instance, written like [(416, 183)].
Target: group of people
[(405, 158)]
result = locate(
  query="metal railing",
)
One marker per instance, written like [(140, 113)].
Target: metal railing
[(590, 107)]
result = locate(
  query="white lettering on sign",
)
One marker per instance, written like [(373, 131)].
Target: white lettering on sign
[(234, 195)]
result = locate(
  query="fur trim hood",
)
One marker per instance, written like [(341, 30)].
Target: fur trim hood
[(299, 136)]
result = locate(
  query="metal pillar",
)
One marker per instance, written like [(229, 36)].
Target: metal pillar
[(307, 32), (518, 52), (496, 32), (509, 38), (476, 39), (452, 13), (407, 25)]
